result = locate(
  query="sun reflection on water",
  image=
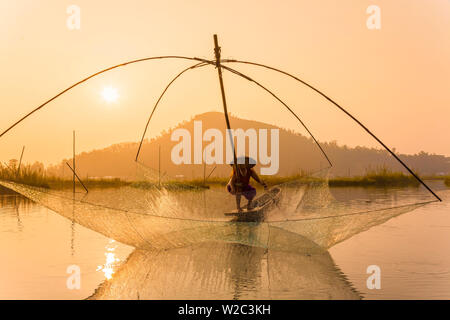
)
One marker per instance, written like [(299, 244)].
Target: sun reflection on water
[(111, 260)]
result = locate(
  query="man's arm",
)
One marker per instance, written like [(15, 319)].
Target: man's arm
[(257, 178), (232, 184)]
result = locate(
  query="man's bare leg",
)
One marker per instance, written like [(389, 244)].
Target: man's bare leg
[(238, 201), (249, 204)]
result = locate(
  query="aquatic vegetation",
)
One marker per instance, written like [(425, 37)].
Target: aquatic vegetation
[(36, 176), (379, 177), (447, 181), (300, 178), (32, 176), (170, 185), (26, 174)]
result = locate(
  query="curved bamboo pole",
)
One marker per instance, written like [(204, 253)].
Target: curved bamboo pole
[(346, 112), (91, 76), (230, 61), (284, 104), (197, 65)]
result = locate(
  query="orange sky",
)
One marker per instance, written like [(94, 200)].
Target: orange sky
[(395, 80)]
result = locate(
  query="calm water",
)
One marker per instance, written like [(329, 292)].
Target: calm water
[(37, 246)]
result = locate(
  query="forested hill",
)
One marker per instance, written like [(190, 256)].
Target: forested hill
[(296, 153)]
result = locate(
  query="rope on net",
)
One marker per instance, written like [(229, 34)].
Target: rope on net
[(197, 65), (343, 110)]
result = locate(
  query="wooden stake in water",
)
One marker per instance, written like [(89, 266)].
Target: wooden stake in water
[(75, 174), (159, 166), (73, 162), (211, 172), (204, 173), (20, 161)]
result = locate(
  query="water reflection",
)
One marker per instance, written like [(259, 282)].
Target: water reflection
[(279, 259), (15, 203), (17, 199), (72, 233), (111, 261), (227, 271)]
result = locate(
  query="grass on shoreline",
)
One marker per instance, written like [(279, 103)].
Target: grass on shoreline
[(25, 175), (169, 185), (381, 177), (447, 181), (37, 178)]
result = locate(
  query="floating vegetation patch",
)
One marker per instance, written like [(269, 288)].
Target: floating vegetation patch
[(170, 185), (381, 177)]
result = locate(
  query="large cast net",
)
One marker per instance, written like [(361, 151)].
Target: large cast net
[(306, 218), (165, 204)]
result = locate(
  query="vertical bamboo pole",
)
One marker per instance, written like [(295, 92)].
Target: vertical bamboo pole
[(72, 240), (159, 166), (204, 173), (217, 52), (73, 162), (20, 161)]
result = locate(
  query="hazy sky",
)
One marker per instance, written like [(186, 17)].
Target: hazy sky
[(396, 80)]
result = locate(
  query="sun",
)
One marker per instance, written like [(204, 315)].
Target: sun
[(110, 94)]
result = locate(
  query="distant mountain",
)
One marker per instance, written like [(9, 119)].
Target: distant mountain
[(296, 153)]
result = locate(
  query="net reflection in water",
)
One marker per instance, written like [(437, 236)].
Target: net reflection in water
[(227, 271)]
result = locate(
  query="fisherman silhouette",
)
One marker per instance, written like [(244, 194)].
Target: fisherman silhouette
[(239, 183)]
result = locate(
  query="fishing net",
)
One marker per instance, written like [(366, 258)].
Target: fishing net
[(156, 201), (303, 220)]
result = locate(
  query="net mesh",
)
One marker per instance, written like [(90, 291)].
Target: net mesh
[(306, 217), (161, 204)]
